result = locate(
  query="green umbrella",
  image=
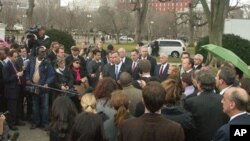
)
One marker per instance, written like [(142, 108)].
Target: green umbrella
[(228, 55)]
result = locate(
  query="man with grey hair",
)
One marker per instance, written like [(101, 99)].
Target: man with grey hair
[(161, 70), (124, 59), (146, 56), (205, 107), (198, 59), (234, 105), (134, 94)]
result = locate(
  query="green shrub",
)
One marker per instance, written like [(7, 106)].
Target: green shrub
[(62, 37), (236, 44)]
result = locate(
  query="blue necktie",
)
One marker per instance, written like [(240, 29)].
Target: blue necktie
[(116, 72)]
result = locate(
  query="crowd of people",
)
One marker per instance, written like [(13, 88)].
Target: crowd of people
[(95, 94)]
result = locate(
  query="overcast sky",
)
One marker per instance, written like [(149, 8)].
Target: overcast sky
[(65, 2), (240, 1)]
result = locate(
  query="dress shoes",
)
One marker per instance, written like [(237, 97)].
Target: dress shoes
[(13, 128)]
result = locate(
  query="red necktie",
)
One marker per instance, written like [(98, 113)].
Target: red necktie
[(133, 67), (161, 70), (14, 67)]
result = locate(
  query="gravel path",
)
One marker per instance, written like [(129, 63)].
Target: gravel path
[(25, 134)]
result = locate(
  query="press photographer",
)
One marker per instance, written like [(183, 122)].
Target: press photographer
[(36, 37)]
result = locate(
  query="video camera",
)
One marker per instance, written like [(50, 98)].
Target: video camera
[(5, 113), (31, 32)]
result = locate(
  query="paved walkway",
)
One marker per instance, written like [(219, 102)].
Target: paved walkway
[(31, 135)]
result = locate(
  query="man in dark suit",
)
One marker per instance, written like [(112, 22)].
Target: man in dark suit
[(2, 99), (146, 56), (22, 62), (234, 105), (183, 56), (122, 53), (103, 52), (11, 77), (108, 65), (187, 65), (145, 77), (206, 108), (198, 59), (161, 70), (152, 125), (135, 61), (75, 51), (118, 67), (225, 78), (52, 54), (94, 68)]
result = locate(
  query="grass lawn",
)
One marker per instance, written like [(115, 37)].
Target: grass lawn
[(131, 46)]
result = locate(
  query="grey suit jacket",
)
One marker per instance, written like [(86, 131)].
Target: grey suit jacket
[(134, 96)]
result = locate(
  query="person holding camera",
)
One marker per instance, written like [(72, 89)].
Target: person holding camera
[(36, 37)]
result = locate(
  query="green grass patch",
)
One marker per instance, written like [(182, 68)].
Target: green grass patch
[(127, 46)]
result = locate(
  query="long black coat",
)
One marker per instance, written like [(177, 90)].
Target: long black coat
[(181, 116), (94, 68), (64, 78)]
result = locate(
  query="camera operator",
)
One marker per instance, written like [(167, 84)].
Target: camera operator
[(36, 37), (42, 39)]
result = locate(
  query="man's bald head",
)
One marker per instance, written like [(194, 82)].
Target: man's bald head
[(239, 96), (122, 52), (125, 79)]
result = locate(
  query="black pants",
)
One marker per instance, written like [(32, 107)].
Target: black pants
[(12, 107), (20, 105), (3, 104)]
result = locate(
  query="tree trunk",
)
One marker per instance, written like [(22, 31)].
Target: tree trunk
[(117, 38), (29, 13), (191, 26), (141, 12), (216, 18)]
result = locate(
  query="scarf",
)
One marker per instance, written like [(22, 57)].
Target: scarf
[(77, 71)]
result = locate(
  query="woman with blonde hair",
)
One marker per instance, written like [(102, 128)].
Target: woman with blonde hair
[(120, 102), (88, 102), (173, 71)]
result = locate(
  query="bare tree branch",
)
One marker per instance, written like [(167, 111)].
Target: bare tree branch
[(202, 24), (206, 8), (183, 22)]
